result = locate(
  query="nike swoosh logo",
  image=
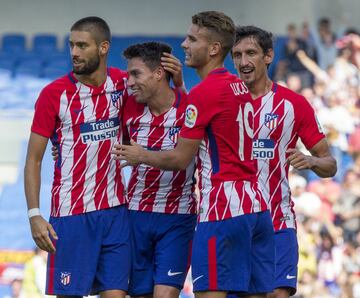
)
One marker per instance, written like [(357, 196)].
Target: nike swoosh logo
[(196, 279), (173, 273), (78, 111), (134, 130), (290, 276)]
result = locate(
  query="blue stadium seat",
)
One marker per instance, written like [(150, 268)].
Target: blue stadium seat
[(53, 73), (7, 61), (29, 64), (14, 43), (29, 68), (115, 59), (59, 59), (14, 225), (44, 43)]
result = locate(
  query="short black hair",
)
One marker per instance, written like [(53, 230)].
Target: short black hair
[(149, 52), (264, 38), (96, 26)]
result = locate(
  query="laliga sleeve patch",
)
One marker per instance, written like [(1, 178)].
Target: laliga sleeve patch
[(190, 116)]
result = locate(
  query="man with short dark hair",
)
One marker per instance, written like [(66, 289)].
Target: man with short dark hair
[(162, 203), (281, 116), (87, 235)]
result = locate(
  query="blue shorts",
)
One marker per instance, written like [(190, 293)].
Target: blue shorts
[(93, 253), (286, 259), (161, 250), (234, 255)]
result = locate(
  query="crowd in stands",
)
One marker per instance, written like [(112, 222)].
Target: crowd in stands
[(325, 67)]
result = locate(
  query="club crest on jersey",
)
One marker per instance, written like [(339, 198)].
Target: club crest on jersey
[(190, 116), (115, 98), (173, 133), (271, 120), (65, 278)]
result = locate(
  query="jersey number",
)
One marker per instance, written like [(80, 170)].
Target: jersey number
[(244, 126)]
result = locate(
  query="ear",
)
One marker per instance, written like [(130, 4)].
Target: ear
[(215, 48), (269, 56), (104, 48), (159, 73)]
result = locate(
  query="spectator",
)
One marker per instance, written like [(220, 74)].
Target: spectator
[(347, 208), (35, 275), (324, 40), (291, 62)]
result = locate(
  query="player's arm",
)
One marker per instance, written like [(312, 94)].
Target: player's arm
[(176, 159), (40, 228), (320, 161)]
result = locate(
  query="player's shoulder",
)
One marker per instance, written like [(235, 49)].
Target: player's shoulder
[(59, 85), (214, 81), (115, 72)]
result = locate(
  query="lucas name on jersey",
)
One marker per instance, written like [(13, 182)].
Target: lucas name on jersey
[(99, 130)]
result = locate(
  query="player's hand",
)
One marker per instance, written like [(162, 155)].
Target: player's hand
[(299, 160), (54, 152), (132, 154), (173, 65), (41, 231)]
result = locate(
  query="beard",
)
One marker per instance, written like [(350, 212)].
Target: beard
[(89, 67)]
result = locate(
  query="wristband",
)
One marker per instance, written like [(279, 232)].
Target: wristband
[(33, 212)]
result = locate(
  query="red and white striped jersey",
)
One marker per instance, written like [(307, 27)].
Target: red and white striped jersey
[(83, 122), (152, 189), (281, 117), (220, 113)]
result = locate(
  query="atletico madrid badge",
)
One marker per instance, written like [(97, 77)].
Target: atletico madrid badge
[(65, 278), (271, 120)]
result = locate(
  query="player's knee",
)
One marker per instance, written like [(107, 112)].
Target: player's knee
[(113, 294), (162, 291), (280, 293)]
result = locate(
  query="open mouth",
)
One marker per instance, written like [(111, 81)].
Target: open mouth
[(246, 70)]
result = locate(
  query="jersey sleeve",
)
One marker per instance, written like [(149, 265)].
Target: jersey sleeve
[(45, 116), (310, 131), (198, 114)]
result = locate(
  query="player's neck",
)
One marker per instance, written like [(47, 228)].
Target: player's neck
[(260, 87), (96, 79), (162, 101), (204, 70)]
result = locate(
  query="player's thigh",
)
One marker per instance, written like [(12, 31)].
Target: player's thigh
[(263, 255), (141, 281), (72, 269), (221, 259), (114, 262), (173, 248), (286, 260)]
